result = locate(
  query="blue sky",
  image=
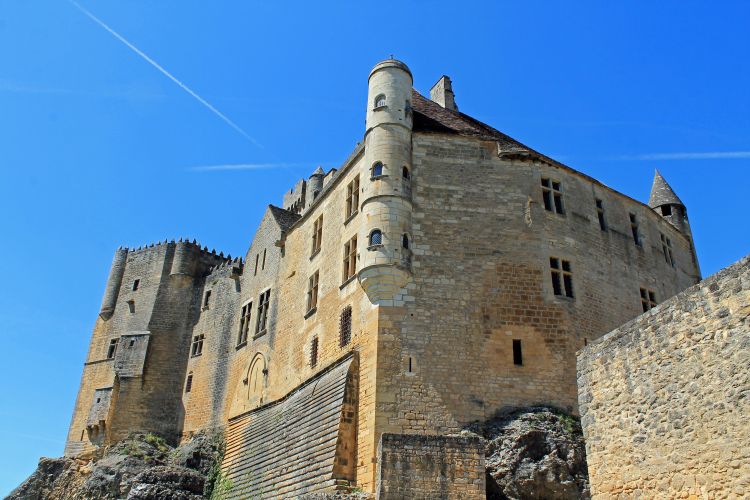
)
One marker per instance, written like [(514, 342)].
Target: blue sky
[(98, 148)]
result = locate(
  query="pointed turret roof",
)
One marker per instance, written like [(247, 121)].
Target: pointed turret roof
[(319, 171), (662, 193)]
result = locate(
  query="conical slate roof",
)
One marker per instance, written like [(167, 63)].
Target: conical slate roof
[(318, 171), (662, 194)]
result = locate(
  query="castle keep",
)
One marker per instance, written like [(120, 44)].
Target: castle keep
[(443, 273)]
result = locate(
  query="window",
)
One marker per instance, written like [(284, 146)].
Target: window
[(312, 292), (405, 241), (263, 301), (189, 383), (380, 101), (247, 311), (136, 284), (552, 195), (314, 352), (257, 257), (648, 299), (600, 214), (263, 263), (666, 246), (562, 277), (377, 170), (666, 210), (206, 299), (405, 173), (410, 365), (345, 326), (634, 230), (352, 197), (376, 237), (317, 235), (517, 353), (131, 306), (350, 258), (197, 348), (112, 349)]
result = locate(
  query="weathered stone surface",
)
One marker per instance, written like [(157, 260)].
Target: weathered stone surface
[(665, 398), (534, 453)]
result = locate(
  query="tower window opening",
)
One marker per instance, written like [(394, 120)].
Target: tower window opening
[(376, 237), (131, 306), (666, 210), (345, 326), (112, 349), (263, 263), (314, 352), (197, 347), (648, 299), (634, 229), (377, 170), (380, 101), (562, 277), (263, 301), (552, 196), (247, 311), (312, 292), (600, 214), (257, 258), (405, 173), (517, 353), (666, 247), (352, 197), (189, 383), (132, 343), (405, 241), (206, 299), (317, 235), (136, 284), (350, 258)]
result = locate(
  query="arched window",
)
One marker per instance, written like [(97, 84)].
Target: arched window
[(376, 237), (255, 377), (380, 101), (405, 173), (377, 169), (405, 241)]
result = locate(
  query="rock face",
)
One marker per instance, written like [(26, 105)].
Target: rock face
[(534, 453), (143, 467)]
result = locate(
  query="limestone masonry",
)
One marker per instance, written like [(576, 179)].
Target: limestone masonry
[(665, 398), (445, 272)]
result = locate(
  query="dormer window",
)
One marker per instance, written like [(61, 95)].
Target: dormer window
[(376, 237), (380, 101), (377, 170)]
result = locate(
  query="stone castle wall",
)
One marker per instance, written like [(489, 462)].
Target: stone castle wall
[(664, 399), (430, 467)]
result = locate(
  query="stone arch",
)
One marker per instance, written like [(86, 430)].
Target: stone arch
[(256, 378)]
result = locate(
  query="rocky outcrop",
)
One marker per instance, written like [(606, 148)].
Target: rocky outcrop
[(143, 467), (534, 453)]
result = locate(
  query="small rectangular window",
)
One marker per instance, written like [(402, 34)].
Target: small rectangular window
[(634, 230), (112, 350), (600, 214), (314, 352), (263, 264), (136, 284), (562, 277), (131, 306), (263, 301), (350, 258), (247, 311), (517, 354), (648, 299), (352, 197), (189, 383), (345, 326), (197, 347), (552, 196), (666, 210), (257, 258), (317, 235), (312, 292), (666, 247), (206, 299)]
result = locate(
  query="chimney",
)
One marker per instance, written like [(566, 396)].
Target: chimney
[(442, 93)]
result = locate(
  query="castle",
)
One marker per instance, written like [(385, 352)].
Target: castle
[(443, 273)]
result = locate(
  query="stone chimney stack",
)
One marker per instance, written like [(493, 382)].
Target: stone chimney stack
[(442, 93)]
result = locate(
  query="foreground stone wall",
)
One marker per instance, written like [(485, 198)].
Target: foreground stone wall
[(664, 398), (422, 467)]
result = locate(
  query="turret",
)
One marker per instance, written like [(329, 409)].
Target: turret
[(113, 283), (666, 203), (316, 182), (386, 185)]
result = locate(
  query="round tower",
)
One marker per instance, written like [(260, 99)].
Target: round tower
[(113, 283), (666, 203), (386, 186)]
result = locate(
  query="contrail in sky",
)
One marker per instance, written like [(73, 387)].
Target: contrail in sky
[(165, 72), (716, 155), (248, 166)]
